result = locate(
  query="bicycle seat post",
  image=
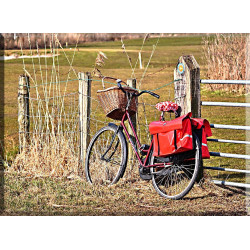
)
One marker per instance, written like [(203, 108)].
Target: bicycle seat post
[(162, 116)]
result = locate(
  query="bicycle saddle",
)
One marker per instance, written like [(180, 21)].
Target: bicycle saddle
[(167, 106)]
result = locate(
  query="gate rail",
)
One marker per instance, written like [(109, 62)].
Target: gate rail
[(226, 104), (241, 82)]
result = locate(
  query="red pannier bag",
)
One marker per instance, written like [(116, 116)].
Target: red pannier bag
[(172, 137), (202, 129)]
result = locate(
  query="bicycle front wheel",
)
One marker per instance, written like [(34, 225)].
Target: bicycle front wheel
[(106, 157), (175, 179)]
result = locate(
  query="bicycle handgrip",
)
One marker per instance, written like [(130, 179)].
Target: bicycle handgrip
[(151, 93)]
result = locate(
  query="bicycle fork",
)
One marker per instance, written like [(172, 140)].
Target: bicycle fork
[(110, 145)]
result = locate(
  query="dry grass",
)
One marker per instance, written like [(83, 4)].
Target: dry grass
[(225, 58), (65, 196), (50, 148), (52, 156)]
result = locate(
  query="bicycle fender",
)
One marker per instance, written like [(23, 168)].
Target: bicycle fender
[(110, 124)]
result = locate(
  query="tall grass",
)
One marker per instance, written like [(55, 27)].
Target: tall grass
[(55, 158), (52, 147), (225, 57)]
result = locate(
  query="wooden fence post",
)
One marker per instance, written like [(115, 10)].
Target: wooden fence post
[(23, 111), (187, 91), (84, 115), (131, 83)]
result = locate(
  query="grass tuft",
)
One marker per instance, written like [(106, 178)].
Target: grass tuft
[(225, 56)]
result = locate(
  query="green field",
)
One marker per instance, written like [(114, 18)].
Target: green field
[(27, 195)]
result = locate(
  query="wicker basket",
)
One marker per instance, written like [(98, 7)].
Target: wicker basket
[(114, 102)]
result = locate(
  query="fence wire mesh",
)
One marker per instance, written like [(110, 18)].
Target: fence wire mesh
[(54, 134)]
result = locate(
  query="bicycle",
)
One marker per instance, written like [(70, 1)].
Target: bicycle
[(172, 176)]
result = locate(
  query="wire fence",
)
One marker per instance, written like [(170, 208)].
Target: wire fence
[(54, 133)]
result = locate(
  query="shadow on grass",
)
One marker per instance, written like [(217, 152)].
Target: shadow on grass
[(198, 197), (236, 190)]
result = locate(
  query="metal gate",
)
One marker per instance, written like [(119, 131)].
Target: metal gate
[(231, 127)]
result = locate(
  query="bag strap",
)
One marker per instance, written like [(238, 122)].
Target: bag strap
[(158, 143), (175, 140)]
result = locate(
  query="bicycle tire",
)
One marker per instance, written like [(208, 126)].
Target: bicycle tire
[(102, 165), (192, 173)]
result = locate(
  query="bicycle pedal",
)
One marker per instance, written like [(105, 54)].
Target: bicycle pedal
[(145, 173)]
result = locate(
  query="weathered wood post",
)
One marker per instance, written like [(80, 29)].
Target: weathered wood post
[(187, 91), (84, 115), (23, 111), (131, 83)]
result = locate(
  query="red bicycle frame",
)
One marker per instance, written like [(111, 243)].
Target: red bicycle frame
[(126, 115)]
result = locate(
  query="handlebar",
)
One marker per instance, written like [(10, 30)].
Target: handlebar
[(149, 92), (142, 92)]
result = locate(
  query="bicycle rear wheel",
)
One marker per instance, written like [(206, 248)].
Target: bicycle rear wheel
[(175, 179), (106, 157)]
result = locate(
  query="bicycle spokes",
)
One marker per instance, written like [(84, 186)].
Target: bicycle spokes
[(174, 179), (105, 158)]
